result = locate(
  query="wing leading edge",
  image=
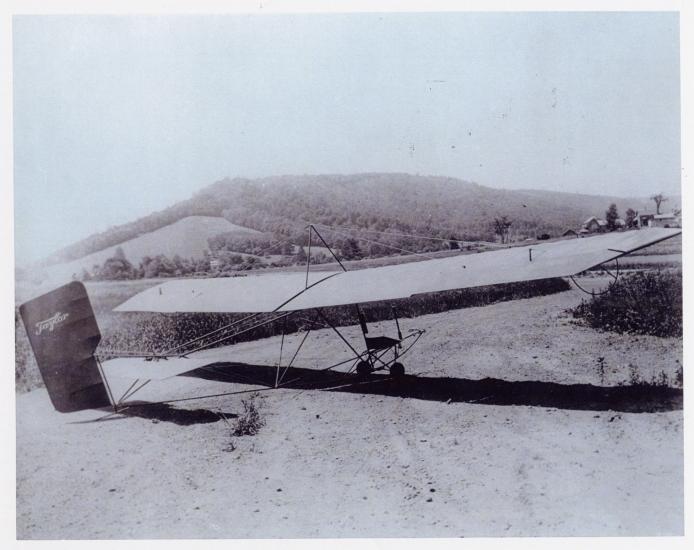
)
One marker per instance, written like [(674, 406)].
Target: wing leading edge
[(287, 292)]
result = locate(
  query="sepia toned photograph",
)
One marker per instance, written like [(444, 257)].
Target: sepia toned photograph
[(348, 275)]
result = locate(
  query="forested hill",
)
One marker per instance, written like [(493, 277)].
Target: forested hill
[(436, 206)]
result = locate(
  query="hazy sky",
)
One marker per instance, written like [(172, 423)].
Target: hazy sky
[(115, 117)]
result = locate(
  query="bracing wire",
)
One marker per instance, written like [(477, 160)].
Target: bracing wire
[(410, 235), (381, 244), (311, 384), (388, 233), (208, 334), (235, 334)]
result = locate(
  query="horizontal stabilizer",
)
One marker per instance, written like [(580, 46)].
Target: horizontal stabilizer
[(133, 368)]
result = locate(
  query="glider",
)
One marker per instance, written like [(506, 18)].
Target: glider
[(64, 334)]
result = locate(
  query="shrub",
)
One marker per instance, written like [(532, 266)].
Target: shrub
[(659, 380), (639, 303), (250, 421)]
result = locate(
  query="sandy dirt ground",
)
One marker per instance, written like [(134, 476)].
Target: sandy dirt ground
[(519, 423)]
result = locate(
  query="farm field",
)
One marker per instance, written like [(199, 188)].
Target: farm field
[(519, 422)]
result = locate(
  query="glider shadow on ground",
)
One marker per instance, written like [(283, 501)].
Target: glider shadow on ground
[(639, 398)]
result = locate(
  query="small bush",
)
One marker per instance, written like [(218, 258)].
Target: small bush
[(250, 421), (658, 380), (638, 303), (661, 380), (634, 376)]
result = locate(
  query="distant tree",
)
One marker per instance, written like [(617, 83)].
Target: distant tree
[(235, 259), (630, 217), (658, 199), (116, 268), (203, 264), (183, 266), (319, 258), (501, 228), (159, 266), (166, 267), (119, 254), (250, 262), (300, 256), (611, 217), (351, 250)]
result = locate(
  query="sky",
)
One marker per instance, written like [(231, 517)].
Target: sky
[(118, 116)]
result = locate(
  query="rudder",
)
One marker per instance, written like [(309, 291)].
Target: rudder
[(64, 334)]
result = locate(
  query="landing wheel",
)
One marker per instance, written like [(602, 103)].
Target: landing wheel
[(397, 370), (363, 368)]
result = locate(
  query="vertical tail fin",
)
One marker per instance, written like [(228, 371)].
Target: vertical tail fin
[(63, 334)]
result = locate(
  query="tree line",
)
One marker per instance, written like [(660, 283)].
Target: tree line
[(220, 263), (439, 207)]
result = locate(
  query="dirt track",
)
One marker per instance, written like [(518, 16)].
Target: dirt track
[(525, 453)]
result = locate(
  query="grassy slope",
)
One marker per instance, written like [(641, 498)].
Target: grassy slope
[(186, 237)]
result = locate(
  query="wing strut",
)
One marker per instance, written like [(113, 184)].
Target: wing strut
[(313, 227), (308, 258), (284, 330), (360, 315)]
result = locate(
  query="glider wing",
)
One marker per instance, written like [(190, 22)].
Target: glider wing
[(288, 292)]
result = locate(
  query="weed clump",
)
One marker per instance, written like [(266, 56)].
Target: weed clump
[(637, 303), (249, 421), (660, 380)]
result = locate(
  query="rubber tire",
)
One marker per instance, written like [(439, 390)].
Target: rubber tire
[(363, 368), (397, 370)]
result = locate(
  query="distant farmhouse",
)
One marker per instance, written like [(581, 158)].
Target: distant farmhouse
[(593, 225), (650, 219), (598, 225)]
